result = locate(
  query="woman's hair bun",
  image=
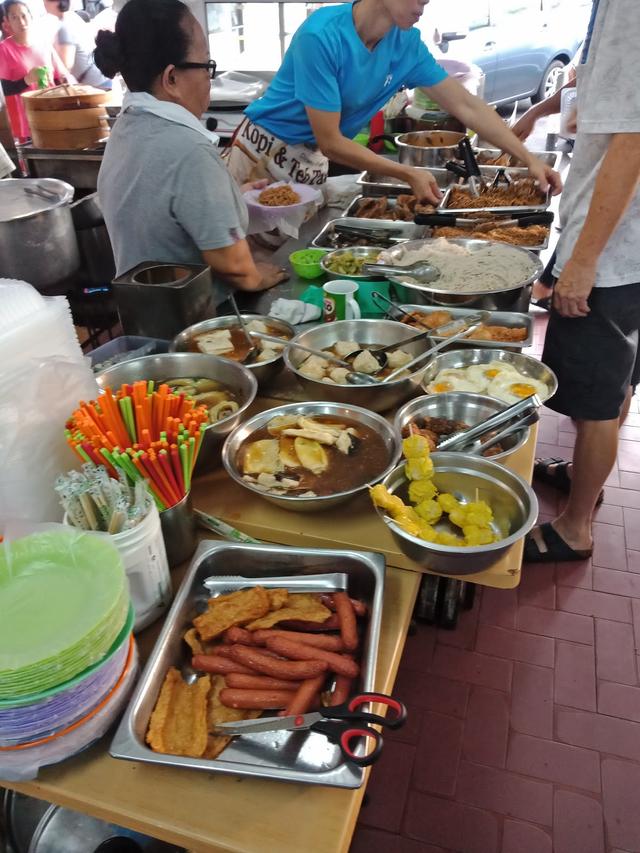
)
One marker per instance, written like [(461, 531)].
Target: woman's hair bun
[(108, 53)]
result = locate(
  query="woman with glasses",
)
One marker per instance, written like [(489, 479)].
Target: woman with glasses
[(164, 191)]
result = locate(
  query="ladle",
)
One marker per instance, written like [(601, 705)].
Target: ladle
[(422, 271), (253, 348)]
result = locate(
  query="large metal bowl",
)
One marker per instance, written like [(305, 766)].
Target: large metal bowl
[(173, 365), (513, 298), (379, 397), (468, 478), (300, 504), (428, 147), (464, 407), (525, 364), (264, 371), (358, 251)]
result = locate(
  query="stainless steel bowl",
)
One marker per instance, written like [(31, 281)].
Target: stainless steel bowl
[(301, 504), (468, 478), (264, 371), (460, 406), (525, 364), (512, 298), (370, 252), (378, 398), (173, 365), (428, 147)]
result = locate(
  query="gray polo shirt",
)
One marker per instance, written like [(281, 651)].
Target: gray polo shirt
[(166, 195)]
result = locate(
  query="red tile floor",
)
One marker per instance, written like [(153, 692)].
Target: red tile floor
[(524, 729)]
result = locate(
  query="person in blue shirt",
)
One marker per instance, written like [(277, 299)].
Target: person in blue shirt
[(344, 63)]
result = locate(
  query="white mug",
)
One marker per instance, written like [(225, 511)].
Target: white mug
[(339, 301)]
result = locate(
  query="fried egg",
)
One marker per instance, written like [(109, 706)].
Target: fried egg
[(453, 379), (513, 387), (484, 374)]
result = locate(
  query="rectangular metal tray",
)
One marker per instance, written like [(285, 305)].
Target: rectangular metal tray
[(549, 158), (496, 318), (287, 756), (531, 208), (375, 185), (350, 212), (403, 230)]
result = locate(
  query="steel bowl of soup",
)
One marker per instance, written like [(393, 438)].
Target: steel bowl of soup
[(309, 457), (223, 337)]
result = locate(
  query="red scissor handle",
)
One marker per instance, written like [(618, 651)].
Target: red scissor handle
[(395, 717), (346, 737)]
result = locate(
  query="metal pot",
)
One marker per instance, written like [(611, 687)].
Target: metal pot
[(432, 148), (37, 239)]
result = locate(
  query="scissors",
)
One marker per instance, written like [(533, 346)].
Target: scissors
[(341, 724)]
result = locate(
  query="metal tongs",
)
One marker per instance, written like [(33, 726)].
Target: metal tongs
[(472, 223), (475, 180), (378, 235), (501, 175), (513, 418)]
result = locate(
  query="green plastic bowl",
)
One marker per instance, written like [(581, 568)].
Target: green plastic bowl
[(306, 262)]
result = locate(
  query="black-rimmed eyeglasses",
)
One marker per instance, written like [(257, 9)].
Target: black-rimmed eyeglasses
[(210, 66)]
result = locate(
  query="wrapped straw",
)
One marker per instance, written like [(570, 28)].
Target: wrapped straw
[(93, 500)]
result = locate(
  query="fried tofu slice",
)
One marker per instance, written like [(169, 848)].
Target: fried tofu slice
[(191, 639), (301, 605), (234, 608), (178, 724), (277, 598), (218, 713)]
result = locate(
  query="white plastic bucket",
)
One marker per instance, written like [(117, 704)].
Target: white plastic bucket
[(145, 562)]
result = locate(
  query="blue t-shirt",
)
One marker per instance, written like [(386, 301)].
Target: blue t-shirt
[(327, 67)]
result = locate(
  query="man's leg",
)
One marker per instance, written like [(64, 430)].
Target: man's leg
[(593, 458)]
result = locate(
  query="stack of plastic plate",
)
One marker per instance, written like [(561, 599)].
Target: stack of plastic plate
[(67, 656)]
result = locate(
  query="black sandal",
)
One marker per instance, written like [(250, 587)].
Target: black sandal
[(557, 550), (558, 477), (544, 303)]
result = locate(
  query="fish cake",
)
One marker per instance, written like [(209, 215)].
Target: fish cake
[(235, 608), (178, 724)]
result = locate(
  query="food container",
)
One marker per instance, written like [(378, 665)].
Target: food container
[(124, 348), (389, 232), (468, 478), (376, 184), (173, 365), (352, 211), (511, 319), (367, 252), (428, 148), (514, 298), (288, 756), (445, 207), (518, 170), (307, 263), (379, 397), (264, 371), (525, 364), (312, 504), (464, 407)]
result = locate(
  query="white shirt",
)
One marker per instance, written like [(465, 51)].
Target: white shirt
[(608, 102)]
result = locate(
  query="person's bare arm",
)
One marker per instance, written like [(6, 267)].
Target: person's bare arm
[(474, 113), (60, 71), (67, 53), (335, 146), (615, 186), (235, 265), (525, 124)]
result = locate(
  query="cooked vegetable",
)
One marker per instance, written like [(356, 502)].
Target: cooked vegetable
[(350, 264)]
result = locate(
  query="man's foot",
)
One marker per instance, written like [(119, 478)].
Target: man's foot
[(556, 472), (545, 545)]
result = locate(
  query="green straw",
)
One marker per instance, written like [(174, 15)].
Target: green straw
[(127, 416), (150, 386), (184, 461)]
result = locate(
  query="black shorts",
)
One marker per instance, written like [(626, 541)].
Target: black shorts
[(595, 357)]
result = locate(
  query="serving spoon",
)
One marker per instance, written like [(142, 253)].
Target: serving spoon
[(422, 271), (253, 348), (380, 354)]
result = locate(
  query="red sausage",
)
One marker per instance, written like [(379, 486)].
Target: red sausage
[(341, 689), (238, 635), (219, 665), (331, 623), (340, 664), (303, 698), (259, 682), (359, 607), (347, 617), (296, 670), (320, 641), (255, 699), (224, 650)]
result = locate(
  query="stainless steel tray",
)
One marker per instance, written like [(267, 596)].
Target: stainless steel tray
[(350, 213), (401, 231), (287, 756), (496, 318), (375, 184), (443, 207), (549, 158)]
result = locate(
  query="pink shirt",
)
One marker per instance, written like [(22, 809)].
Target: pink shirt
[(16, 60)]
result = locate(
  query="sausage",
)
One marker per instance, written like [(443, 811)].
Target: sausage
[(321, 641), (340, 693), (259, 682), (255, 699), (347, 617), (238, 635), (359, 607), (296, 670), (224, 650), (303, 698), (331, 623), (340, 664), (219, 665)]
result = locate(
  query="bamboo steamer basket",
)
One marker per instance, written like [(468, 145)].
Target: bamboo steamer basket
[(68, 97), (82, 137), (68, 119)]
